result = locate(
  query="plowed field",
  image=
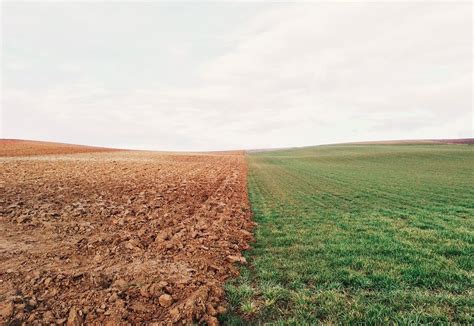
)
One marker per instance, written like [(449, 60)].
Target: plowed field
[(18, 147), (120, 237)]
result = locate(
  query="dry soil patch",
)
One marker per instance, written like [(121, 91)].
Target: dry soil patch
[(120, 237)]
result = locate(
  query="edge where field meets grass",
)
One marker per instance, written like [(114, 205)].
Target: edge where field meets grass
[(359, 234)]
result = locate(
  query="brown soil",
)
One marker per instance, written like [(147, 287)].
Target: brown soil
[(17, 147), (120, 237)]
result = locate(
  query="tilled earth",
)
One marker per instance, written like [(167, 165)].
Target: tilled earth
[(19, 147), (120, 237)]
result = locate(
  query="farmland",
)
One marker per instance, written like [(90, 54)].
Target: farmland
[(359, 233), (19, 147), (352, 233), (112, 237)]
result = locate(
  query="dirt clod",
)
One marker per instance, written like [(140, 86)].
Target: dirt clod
[(74, 319), (237, 259), (6, 310), (165, 300)]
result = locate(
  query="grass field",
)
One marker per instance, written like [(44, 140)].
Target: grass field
[(359, 233)]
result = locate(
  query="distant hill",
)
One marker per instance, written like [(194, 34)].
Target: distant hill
[(460, 141), (417, 141), (18, 147)]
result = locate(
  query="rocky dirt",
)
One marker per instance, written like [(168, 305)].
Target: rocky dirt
[(120, 237)]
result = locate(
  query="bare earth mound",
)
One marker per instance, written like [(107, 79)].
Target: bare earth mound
[(120, 237), (17, 147)]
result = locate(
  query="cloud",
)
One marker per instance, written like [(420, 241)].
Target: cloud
[(15, 66), (293, 74), (69, 68)]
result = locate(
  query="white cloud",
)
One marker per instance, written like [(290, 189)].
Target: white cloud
[(293, 74), (69, 68), (15, 66)]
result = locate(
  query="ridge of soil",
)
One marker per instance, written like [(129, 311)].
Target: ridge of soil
[(120, 237)]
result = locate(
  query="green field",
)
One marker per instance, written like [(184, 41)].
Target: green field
[(359, 233)]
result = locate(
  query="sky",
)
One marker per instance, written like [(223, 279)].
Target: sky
[(217, 76)]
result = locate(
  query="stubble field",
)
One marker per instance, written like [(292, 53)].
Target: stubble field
[(355, 234), (119, 237)]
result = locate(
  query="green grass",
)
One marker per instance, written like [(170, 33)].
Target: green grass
[(359, 234)]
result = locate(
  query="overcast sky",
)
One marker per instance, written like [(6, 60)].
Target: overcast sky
[(208, 76)]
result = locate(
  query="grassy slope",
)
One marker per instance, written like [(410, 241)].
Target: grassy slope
[(359, 233)]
